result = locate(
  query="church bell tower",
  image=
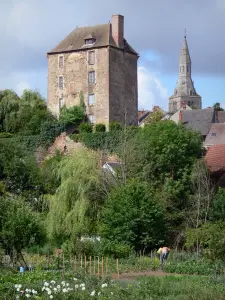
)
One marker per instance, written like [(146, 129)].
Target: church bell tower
[(185, 92)]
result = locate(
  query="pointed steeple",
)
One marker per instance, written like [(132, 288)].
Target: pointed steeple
[(185, 87)]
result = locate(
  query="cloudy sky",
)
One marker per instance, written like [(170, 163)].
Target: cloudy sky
[(155, 28)]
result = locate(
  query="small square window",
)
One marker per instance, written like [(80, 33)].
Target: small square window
[(91, 77), (61, 61), (92, 119), (213, 134), (61, 102), (61, 82), (91, 57), (72, 87), (91, 99)]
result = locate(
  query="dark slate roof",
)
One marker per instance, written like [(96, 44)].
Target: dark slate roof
[(76, 39), (215, 158), (216, 134), (198, 119), (221, 116)]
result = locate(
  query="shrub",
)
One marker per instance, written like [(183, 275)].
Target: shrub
[(5, 135), (76, 137), (113, 126), (85, 127), (100, 127)]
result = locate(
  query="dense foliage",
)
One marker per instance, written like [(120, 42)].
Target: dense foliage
[(158, 191)]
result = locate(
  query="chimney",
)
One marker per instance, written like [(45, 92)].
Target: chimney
[(180, 115), (117, 25)]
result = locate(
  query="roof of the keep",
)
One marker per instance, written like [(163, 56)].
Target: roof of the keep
[(216, 134), (76, 40), (198, 119), (215, 158)]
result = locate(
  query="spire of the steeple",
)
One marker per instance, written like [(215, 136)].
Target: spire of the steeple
[(184, 91)]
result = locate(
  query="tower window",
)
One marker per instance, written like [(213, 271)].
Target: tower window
[(61, 102), (187, 69), (61, 61), (72, 87), (91, 99), (92, 119), (91, 77), (61, 82), (183, 69), (91, 57)]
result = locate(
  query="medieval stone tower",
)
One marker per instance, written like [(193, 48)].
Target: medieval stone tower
[(185, 92), (99, 64)]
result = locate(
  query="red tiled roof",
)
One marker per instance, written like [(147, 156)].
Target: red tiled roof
[(215, 158)]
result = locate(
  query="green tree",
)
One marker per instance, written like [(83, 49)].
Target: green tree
[(74, 208), (218, 206), (20, 227), (132, 217), (218, 107), (71, 116), (163, 150), (155, 116)]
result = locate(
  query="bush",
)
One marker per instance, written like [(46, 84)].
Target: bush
[(114, 126), (85, 127), (76, 137), (4, 135), (100, 127)]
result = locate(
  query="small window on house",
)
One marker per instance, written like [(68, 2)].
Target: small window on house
[(72, 87), (61, 61), (213, 134), (61, 82), (91, 57), (91, 99), (92, 119), (89, 41), (61, 102), (91, 77)]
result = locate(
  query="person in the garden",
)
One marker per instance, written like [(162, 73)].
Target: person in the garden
[(163, 252)]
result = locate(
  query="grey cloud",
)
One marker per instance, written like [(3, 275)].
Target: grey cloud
[(31, 28)]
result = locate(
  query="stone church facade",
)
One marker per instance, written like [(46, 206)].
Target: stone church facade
[(184, 93), (99, 64)]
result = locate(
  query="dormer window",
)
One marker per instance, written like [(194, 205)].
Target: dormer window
[(89, 39)]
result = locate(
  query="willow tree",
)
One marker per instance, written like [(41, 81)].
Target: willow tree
[(74, 208)]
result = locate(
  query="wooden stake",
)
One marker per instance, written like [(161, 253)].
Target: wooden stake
[(102, 266), (106, 266), (75, 263), (117, 267), (98, 268), (85, 264), (94, 265), (81, 261), (90, 264)]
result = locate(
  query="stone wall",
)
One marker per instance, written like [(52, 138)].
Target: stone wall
[(123, 87), (115, 89), (75, 74)]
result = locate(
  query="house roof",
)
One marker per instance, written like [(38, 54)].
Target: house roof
[(76, 40), (216, 134), (142, 115), (198, 119), (221, 116), (215, 158)]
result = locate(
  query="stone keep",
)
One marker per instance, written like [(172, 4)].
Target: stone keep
[(185, 92), (99, 64)]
